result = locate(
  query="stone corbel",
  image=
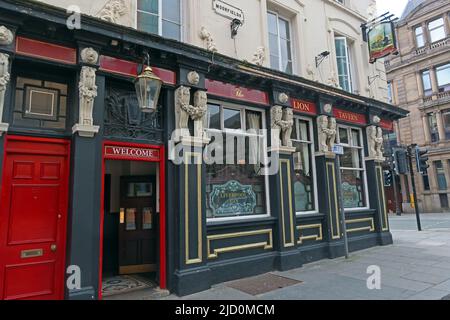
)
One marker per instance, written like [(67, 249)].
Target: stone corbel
[(327, 130), (87, 94), (6, 39), (375, 143)]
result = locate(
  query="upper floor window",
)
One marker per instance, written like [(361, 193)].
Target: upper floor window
[(440, 175), (436, 29), (443, 77), (426, 82), (420, 37), (279, 42), (344, 63), (304, 166), (432, 124), (162, 17), (389, 88), (446, 120)]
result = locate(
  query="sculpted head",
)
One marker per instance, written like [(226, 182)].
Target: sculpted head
[(288, 114), (193, 77), (200, 99), (322, 122), (89, 55), (184, 95), (6, 36), (332, 123)]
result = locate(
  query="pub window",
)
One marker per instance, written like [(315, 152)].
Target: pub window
[(436, 29), (304, 166), (162, 17), (280, 42), (426, 82), (352, 167), (443, 77), (236, 187), (40, 104)]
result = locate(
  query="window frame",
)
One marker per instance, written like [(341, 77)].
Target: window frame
[(445, 66), (313, 160), (160, 19), (435, 28), (422, 34), (347, 60), (422, 73), (280, 58), (363, 168), (242, 109)]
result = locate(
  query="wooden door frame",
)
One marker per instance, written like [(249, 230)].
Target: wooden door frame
[(67, 173), (162, 203)]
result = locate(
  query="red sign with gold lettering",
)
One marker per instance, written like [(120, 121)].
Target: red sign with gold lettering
[(232, 91), (387, 124), (131, 153), (349, 116), (302, 106)]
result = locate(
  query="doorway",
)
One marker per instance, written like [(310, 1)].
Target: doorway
[(33, 218), (133, 219)]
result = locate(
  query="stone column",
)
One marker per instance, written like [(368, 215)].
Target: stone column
[(434, 82), (440, 125)]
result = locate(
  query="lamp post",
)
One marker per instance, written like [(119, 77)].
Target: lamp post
[(148, 87)]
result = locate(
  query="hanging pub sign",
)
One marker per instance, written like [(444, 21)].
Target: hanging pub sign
[(231, 198), (382, 41)]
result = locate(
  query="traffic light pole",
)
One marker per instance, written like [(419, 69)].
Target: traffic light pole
[(396, 195), (413, 183)]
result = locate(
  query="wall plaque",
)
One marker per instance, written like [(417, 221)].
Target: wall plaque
[(233, 198), (227, 10)]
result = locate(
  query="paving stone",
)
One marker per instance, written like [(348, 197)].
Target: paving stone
[(429, 294)]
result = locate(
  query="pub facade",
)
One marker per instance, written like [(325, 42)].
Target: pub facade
[(95, 186)]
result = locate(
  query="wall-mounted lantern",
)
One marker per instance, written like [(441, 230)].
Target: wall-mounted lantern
[(235, 25), (148, 87)]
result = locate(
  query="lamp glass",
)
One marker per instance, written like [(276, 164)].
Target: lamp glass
[(148, 88)]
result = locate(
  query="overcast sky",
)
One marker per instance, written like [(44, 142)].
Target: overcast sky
[(393, 6)]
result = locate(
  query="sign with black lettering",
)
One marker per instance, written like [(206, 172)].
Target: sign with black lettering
[(227, 10)]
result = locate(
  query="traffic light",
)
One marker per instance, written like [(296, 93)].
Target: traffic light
[(421, 160), (400, 161), (387, 178)]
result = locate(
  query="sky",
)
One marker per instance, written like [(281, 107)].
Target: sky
[(393, 6)]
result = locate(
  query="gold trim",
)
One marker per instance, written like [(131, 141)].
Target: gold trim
[(265, 245), (333, 236), (317, 237), (199, 258), (370, 228), (385, 226), (292, 243)]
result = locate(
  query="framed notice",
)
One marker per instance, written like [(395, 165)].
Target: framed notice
[(382, 41)]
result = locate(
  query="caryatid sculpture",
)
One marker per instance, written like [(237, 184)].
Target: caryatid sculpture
[(282, 122), (199, 112), (327, 130), (87, 87)]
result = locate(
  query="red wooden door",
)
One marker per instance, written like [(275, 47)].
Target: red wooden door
[(33, 218)]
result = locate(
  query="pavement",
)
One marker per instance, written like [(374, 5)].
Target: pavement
[(416, 266)]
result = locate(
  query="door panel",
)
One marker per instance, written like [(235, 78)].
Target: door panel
[(137, 231), (33, 218)]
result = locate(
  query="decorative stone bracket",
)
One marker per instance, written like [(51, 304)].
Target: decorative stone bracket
[(375, 143), (185, 111), (282, 122), (88, 92), (327, 130)]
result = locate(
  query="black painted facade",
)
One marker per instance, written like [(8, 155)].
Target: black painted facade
[(199, 253)]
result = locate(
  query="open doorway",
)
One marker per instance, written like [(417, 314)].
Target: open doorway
[(130, 229)]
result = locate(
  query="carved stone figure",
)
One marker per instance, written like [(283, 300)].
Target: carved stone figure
[(328, 108), (287, 124), (322, 127), (331, 133), (332, 80), (376, 119), (113, 10), (327, 130), (6, 36), (205, 35), (89, 55), (182, 107), (88, 92), (379, 143), (193, 78), (199, 112), (259, 56), (310, 73), (4, 80), (371, 140)]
